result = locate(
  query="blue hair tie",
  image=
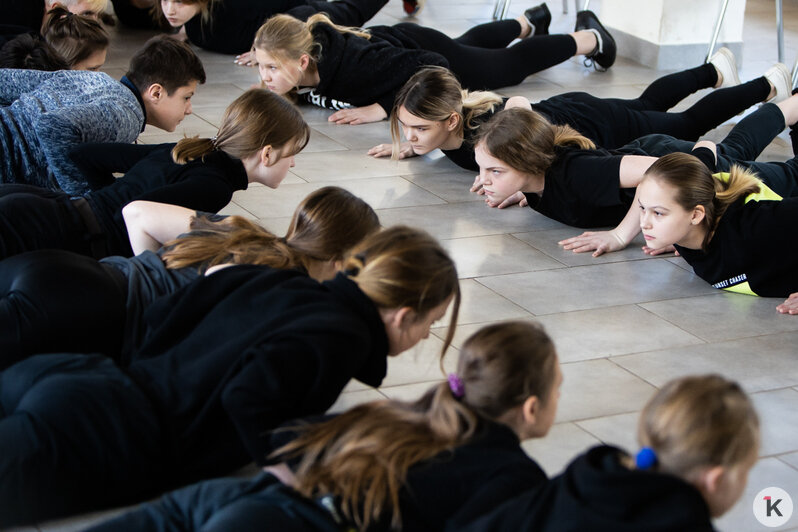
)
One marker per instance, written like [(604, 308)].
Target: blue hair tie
[(646, 458)]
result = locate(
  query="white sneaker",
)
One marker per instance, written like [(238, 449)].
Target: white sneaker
[(779, 76), (725, 62)]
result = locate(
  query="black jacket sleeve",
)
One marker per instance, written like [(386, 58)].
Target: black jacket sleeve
[(283, 380), (202, 190), (99, 161)]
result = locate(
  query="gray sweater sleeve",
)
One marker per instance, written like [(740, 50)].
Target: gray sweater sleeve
[(61, 130), (15, 82)]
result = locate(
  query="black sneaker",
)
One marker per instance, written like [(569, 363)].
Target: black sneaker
[(604, 54), (539, 17)]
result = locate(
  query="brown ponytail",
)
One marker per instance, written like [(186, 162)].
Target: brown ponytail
[(362, 456), (233, 240), (74, 37), (526, 141), (325, 226), (255, 119)]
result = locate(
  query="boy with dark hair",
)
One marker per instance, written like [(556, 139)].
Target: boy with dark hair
[(45, 114)]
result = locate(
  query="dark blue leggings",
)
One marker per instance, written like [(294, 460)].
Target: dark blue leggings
[(76, 434), (226, 504)]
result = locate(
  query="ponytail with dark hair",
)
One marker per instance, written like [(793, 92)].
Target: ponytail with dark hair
[(362, 456)]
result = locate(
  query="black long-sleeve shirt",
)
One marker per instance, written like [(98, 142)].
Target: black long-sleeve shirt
[(582, 188), (247, 348), (361, 71), (747, 252), (205, 184)]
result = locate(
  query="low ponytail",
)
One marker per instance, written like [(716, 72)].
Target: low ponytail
[(233, 240), (191, 148), (255, 119)]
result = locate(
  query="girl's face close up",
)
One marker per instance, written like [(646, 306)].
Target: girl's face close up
[(178, 12), (497, 178), (663, 221), (279, 77), (423, 135)]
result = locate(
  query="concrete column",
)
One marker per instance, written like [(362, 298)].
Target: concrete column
[(671, 34)]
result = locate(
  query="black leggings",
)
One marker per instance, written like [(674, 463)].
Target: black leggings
[(224, 504), (479, 61), (36, 218), (741, 146), (57, 301), (613, 122)]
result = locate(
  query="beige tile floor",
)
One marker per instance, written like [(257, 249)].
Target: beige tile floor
[(624, 324)]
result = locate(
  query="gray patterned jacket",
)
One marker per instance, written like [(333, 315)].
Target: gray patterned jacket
[(45, 114)]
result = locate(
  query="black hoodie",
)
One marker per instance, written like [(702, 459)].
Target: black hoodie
[(599, 493)]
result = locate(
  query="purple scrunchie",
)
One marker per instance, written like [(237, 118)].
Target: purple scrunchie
[(456, 385)]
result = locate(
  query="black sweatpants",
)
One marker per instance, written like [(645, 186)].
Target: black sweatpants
[(37, 218), (45, 306), (76, 434), (613, 122), (741, 146), (225, 504), (480, 65)]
